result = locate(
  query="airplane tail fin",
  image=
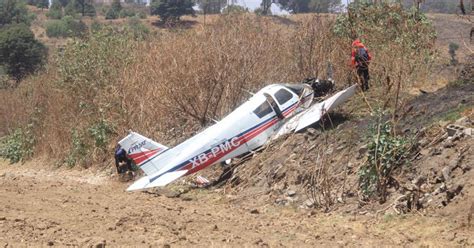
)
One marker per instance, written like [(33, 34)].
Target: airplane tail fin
[(140, 148)]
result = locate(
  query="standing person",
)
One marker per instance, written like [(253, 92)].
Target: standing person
[(360, 61)]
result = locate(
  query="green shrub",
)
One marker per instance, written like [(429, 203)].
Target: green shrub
[(56, 28), (78, 150), (112, 14), (139, 30), (452, 48), (127, 13), (96, 26), (76, 28), (386, 152), (55, 11), (66, 27), (141, 15), (236, 9), (114, 11), (18, 146), (100, 133), (20, 53)]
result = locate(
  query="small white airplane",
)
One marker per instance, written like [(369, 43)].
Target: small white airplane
[(275, 110)]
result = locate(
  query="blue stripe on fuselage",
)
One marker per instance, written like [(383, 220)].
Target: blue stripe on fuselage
[(177, 167)]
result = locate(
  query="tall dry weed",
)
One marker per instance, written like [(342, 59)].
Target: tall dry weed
[(170, 85)]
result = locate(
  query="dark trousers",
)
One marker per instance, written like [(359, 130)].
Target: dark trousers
[(363, 73)]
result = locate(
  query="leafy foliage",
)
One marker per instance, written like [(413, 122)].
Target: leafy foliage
[(388, 21), (78, 151), (56, 28), (83, 7), (139, 30), (55, 11), (100, 133), (452, 48), (211, 6), (386, 153), (42, 4), (18, 145), (172, 10), (20, 53), (234, 9), (66, 27), (14, 12), (437, 6), (306, 6), (114, 10)]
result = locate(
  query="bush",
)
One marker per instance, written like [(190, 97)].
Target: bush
[(18, 145), (66, 27), (96, 26), (14, 12), (386, 153), (20, 53), (55, 11), (172, 10), (111, 14), (79, 149), (236, 9), (452, 48), (83, 7), (56, 28), (100, 133), (141, 15), (114, 11), (139, 30), (76, 28), (127, 13)]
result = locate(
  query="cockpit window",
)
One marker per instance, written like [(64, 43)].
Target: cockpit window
[(283, 96), (263, 109)]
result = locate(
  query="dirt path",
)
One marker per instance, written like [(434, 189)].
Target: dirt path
[(69, 207)]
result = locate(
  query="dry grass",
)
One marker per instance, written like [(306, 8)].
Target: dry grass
[(180, 80)]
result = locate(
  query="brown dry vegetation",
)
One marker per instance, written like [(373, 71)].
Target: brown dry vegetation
[(173, 83), (188, 77)]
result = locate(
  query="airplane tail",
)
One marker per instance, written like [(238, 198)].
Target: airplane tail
[(140, 148)]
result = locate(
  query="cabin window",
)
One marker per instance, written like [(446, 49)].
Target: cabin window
[(263, 109), (283, 96)]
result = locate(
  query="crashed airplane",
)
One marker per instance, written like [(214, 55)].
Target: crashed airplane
[(273, 111)]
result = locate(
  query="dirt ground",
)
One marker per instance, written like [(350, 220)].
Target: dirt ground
[(60, 207)]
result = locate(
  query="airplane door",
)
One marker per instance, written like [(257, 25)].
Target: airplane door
[(286, 101)]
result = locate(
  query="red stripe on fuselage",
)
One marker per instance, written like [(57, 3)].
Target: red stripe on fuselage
[(242, 140)]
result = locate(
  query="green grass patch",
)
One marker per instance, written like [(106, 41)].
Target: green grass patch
[(455, 113)]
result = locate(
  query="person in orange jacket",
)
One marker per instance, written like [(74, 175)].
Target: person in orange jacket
[(360, 59)]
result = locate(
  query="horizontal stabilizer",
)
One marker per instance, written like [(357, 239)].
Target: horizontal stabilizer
[(162, 180), (142, 150), (139, 184)]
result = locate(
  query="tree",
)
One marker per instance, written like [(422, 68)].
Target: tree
[(265, 7), (305, 6), (211, 6), (55, 11), (172, 10), (42, 4), (64, 3), (20, 53), (234, 9), (13, 11), (84, 7), (114, 11)]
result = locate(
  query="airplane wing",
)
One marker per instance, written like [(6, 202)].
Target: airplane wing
[(315, 112)]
